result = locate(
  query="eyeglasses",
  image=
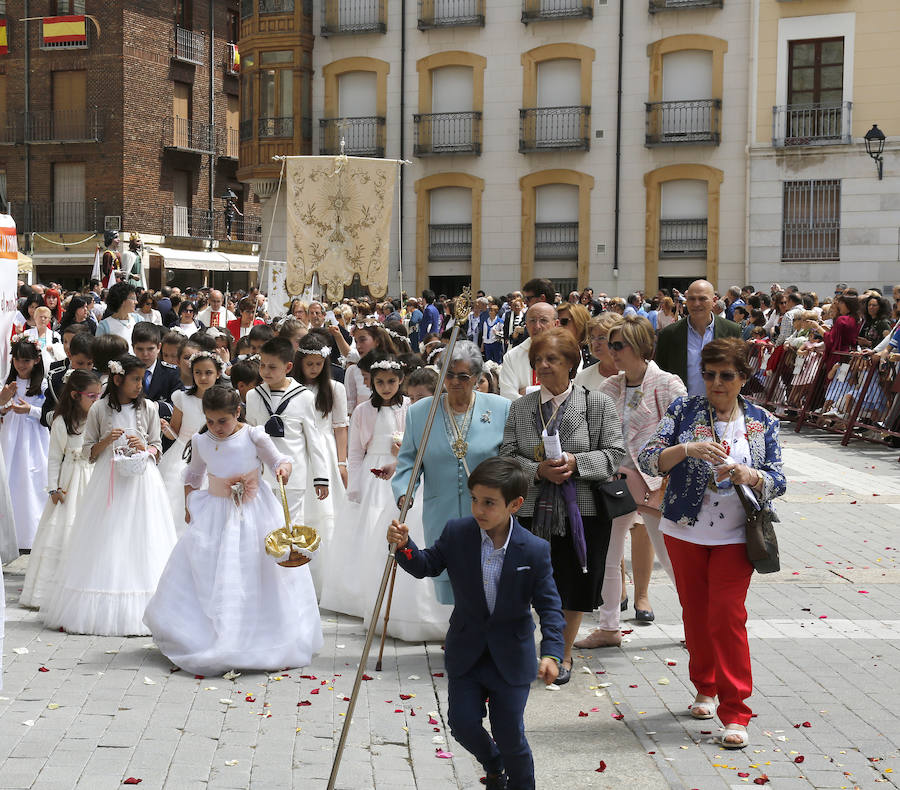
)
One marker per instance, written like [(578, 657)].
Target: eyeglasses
[(617, 345), (463, 377), (88, 395), (723, 375)]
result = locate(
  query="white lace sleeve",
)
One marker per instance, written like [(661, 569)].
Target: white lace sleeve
[(195, 471)]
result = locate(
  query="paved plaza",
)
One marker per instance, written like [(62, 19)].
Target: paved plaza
[(94, 713)]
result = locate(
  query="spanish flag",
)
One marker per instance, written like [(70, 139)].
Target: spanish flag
[(235, 60), (4, 43), (64, 30)]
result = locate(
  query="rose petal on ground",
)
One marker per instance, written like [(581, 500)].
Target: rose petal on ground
[(586, 670), (761, 780), (602, 767), (303, 703), (364, 677), (20, 651), (28, 722), (582, 714), (618, 716), (248, 698), (43, 669), (799, 758), (663, 682), (807, 724), (437, 674), (149, 681), (231, 762), (132, 781), (413, 677), (743, 774), (432, 720), (314, 691), (863, 592), (407, 696), (442, 755)]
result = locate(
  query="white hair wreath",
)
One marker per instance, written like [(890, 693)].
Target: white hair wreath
[(323, 352), (23, 338), (216, 359), (115, 366), (385, 364)]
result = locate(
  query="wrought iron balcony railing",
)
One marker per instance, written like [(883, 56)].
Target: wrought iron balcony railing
[(556, 241), (447, 133), (10, 131), (246, 228), (71, 44), (827, 123), (694, 121), (672, 5), (57, 217), (362, 136), (682, 238), (343, 17), (544, 10), (183, 134), (70, 126), (201, 224), (190, 46), (276, 6), (450, 13), (450, 242), (192, 223), (275, 127), (554, 129), (228, 143)]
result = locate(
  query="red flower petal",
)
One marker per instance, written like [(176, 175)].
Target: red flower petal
[(618, 716), (309, 677), (199, 677), (43, 669), (761, 780), (433, 674), (303, 703), (432, 720), (314, 691), (132, 781), (743, 774), (807, 724), (582, 714), (249, 698), (632, 686), (799, 758), (406, 696), (412, 712), (602, 767), (398, 710), (346, 699), (367, 677)]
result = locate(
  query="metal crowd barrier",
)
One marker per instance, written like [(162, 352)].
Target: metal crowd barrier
[(851, 394)]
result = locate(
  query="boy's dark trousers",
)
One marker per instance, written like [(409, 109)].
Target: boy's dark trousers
[(508, 750)]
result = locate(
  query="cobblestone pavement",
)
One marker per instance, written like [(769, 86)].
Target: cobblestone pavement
[(91, 712)]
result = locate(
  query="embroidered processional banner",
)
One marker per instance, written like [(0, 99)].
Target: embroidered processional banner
[(339, 222)]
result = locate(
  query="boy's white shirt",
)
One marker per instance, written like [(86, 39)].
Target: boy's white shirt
[(301, 441)]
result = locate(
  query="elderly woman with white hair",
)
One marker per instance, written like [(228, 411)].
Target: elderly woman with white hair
[(468, 428)]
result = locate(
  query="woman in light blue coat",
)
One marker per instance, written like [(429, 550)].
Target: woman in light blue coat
[(468, 428)]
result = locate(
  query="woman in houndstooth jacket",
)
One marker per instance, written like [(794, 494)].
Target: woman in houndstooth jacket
[(590, 439)]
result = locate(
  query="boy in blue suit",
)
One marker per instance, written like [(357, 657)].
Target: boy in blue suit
[(498, 571)]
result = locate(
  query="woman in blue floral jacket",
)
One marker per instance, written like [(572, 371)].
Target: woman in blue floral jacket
[(707, 445)]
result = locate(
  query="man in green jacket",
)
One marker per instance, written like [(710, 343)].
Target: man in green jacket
[(678, 345)]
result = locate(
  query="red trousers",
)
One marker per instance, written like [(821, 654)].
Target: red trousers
[(712, 583)]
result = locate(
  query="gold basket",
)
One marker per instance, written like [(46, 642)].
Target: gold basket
[(298, 541)]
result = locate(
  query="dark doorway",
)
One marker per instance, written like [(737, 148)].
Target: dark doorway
[(681, 283), (449, 285)]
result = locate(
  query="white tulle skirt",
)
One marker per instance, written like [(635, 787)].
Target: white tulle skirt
[(223, 603), (119, 544), (355, 564), (52, 539), (171, 469)]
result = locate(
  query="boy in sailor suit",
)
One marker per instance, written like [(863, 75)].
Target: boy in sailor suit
[(287, 410)]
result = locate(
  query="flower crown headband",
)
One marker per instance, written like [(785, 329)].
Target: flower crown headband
[(247, 358), (216, 359), (323, 352), (385, 364), (115, 367), (23, 338)]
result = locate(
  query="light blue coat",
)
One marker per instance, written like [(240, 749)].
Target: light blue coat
[(446, 495)]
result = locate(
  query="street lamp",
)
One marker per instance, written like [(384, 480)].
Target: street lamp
[(874, 146)]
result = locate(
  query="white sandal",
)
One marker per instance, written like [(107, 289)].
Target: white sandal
[(703, 710), (732, 729)]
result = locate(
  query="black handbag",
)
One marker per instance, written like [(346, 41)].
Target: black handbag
[(762, 544), (613, 498)]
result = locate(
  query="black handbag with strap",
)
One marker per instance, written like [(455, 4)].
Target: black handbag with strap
[(759, 527), (613, 498)]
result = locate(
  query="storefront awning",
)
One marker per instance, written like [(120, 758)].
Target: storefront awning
[(241, 263), (190, 259), (60, 259)]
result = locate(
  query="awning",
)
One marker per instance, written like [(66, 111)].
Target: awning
[(190, 259), (25, 264), (61, 259), (241, 263)]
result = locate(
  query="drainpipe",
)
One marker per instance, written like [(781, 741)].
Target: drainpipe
[(402, 122), (752, 81), (618, 139), (212, 114), (27, 110)]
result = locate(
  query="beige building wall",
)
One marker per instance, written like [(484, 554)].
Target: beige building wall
[(869, 208)]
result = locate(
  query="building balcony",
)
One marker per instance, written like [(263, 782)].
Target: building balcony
[(447, 133), (275, 127), (190, 46), (276, 6), (697, 121), (232, 60), (547, 10), (191, 223), (556, 241), (201, 224), (183, 134), (361, 136), (37, 217), (674, 5), (10, 132), (554, 129), (827, 123), (64, 126), (450, 13), (346, 17), (228, 144), (682, 238), (450, 242), (52, 45), (247, 228)]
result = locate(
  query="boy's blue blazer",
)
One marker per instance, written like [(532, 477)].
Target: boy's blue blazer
[(526, 580)]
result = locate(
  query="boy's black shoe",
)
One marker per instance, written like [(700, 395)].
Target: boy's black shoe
[(495, 781)]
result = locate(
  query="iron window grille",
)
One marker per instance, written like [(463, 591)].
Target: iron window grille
[(450, 242), (343, 17), (825, 123), (275, 127), (811, 220), (190, 46), (556, 241), (64, 126), (362, 136), (58, 217), (544, 10), (674, 5), (450, 13), (554, 128), (183, 134), (276, 6)]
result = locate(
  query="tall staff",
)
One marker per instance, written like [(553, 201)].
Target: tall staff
[(462, 310)]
